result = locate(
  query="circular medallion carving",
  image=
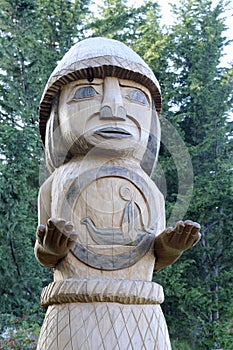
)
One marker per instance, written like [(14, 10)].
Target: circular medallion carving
[(114, 213)]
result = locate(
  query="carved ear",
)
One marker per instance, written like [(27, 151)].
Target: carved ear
[(150, 157), (56, 152)]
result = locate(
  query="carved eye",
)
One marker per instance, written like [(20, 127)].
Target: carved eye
[(84, 92), (138, 96)]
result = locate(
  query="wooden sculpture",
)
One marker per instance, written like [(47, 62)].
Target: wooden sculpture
[(101, 217)]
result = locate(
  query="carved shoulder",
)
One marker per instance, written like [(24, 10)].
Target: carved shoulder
[(44, 201)]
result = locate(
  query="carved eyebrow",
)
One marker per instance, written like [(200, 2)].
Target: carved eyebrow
[(84, 92)]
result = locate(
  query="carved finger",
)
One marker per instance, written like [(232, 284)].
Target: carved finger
[(188, 227), (70, 245), (192, 237), (66, 232), (62, 242), (196, 228), (60, 223), (72, 240), (51, 223), (40, 233), (50, 231), (54, 232), (68, 228), (179, 228), (197, 239), (180, 238), (74, 236), (67, 243), (55, 223)]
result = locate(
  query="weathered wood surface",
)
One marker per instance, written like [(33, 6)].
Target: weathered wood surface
[(101, 217), (104, 326)]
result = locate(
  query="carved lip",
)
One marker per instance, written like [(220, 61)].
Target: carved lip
[(113, 132)]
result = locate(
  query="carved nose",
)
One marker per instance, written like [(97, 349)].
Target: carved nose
[(117, 112), (112, 104)]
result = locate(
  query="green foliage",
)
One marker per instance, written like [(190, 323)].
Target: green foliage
[(34, 35), (197, 95), (21, 334), (201, 100), (117, 20)]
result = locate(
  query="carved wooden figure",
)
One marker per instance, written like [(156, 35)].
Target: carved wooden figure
[(101, 218)]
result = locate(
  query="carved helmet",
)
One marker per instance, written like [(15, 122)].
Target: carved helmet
[(98, 57)]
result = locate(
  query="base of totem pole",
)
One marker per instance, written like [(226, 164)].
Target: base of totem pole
[(103, 324)]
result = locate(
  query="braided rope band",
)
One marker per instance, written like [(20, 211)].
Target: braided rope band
[(102, 290)]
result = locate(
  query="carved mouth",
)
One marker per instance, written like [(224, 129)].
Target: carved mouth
[(111, 132)]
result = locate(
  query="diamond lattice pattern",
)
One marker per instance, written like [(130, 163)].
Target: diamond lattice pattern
[(104, 326)]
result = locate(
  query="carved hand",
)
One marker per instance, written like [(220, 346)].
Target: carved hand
[(54, 241), (171, 243)]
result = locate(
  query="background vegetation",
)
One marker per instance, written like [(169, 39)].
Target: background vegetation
[(197, 99)]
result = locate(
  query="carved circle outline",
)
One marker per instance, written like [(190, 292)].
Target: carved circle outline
[(119, 261)]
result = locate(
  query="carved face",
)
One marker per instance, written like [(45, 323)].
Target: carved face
[(111, 114)]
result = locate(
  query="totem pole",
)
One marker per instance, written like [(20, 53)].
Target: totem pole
[(101, 217)]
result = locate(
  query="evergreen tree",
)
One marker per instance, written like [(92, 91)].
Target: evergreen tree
[(34, 35), (197, 94), (201, 100), (118, 20)]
